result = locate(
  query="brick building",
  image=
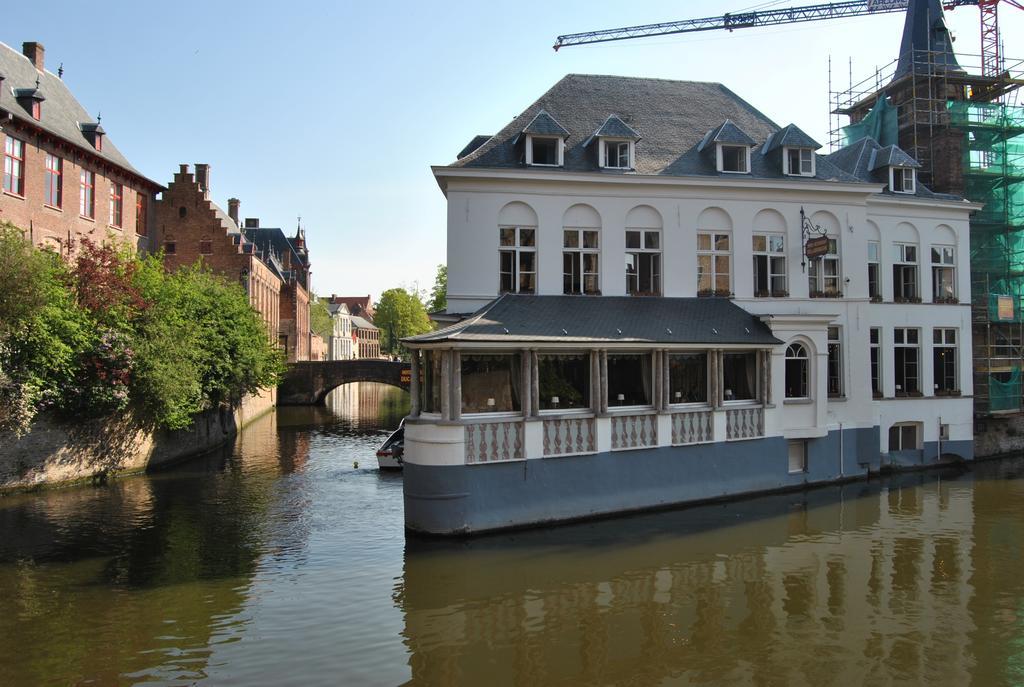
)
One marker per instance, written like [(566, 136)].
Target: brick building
[(290, 258), (189, 227), (62, 177)]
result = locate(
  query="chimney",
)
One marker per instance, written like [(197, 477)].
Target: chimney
[(34, 52), (233, 205), (252, 223), (203, 177)]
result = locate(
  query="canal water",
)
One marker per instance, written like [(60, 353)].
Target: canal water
[(282, 561)]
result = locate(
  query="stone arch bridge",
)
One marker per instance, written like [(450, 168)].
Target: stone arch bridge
[(308, 383)]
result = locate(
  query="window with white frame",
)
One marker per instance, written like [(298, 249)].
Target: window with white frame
[(643, 262), (943, 274), (545, 151), (617, 154), (800, 162), (823, 272), (797, 371), (904, 273), (944, 360), (904, 436), (517, 259), (835, 362), (906, 361), (714, 263), (875, 336), (770, 265), (901, 179), (874, 270), (581, 252), (733, 158)]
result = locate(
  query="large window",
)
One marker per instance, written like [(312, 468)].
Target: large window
[(580, 258), (490, 383), (770, 265), (904, 273), (943, 274), (874, 271), (688, 377), (629, 379), (904, 437), (797, 371), (835, 362), (430, 389), (116, 204), (876, 362), (564, 381), (14, 166), (739, 376), (87, 194), (906, 361), (643, 262), (823, 272), (714, 263), (53, 183), (944, 360), (518, 259)]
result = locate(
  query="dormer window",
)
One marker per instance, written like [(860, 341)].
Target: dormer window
[(618, 154), (545, 151), (902, 179), (799, 162), (733, 159)]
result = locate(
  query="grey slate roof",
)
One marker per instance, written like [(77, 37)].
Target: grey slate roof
[(859, 160), (673, 117), (543, 124), (789, 136), (477, 141), (62, 114), (566, 319), (726, 132), (614, 127), (891, 156)]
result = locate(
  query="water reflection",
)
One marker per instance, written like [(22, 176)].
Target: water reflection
[(843, 585)]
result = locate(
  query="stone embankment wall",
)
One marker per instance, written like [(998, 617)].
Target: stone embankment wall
[(59, 452)]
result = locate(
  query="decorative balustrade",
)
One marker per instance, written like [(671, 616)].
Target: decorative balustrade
[(744, 423), (692, 427), (634, 431), (491, 442), (566, 436)]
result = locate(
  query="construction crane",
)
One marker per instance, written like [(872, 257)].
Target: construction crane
[(990, 43)]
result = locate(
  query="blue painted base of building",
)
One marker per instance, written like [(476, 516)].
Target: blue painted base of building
[(468, 499)]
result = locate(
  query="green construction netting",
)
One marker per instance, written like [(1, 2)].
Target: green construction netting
[(880, 124), (1004, 395)]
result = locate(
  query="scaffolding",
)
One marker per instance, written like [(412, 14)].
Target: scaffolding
[(967, 132)]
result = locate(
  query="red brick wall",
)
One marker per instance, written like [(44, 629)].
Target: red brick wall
[(61, 228)]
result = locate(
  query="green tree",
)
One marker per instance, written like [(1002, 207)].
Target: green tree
[(320, 319), (439, 294), (399, 313)]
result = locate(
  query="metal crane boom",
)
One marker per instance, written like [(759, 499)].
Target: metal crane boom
[(742, 20)]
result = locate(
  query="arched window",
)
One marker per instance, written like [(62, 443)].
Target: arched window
[(796, 371)]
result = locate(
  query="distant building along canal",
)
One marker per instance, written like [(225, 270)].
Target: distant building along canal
[(665, 297)]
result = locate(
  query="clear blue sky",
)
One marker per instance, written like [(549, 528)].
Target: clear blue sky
[(336, 110)]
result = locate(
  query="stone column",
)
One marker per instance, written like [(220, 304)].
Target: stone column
[(446, 385), (414, 383), (603, 372), (534, 383), (456, 402), (526, 383)]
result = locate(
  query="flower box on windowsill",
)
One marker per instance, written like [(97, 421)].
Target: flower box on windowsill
[(948, 392), (714, 293), (831, 293), (902, 299), (948, 300), (876, 299), (909, 394), (771, 294)]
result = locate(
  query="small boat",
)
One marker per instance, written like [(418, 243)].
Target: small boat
[(389, 455)]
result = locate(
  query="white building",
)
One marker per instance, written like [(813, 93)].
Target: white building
[(663, 332), (341, 343)]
